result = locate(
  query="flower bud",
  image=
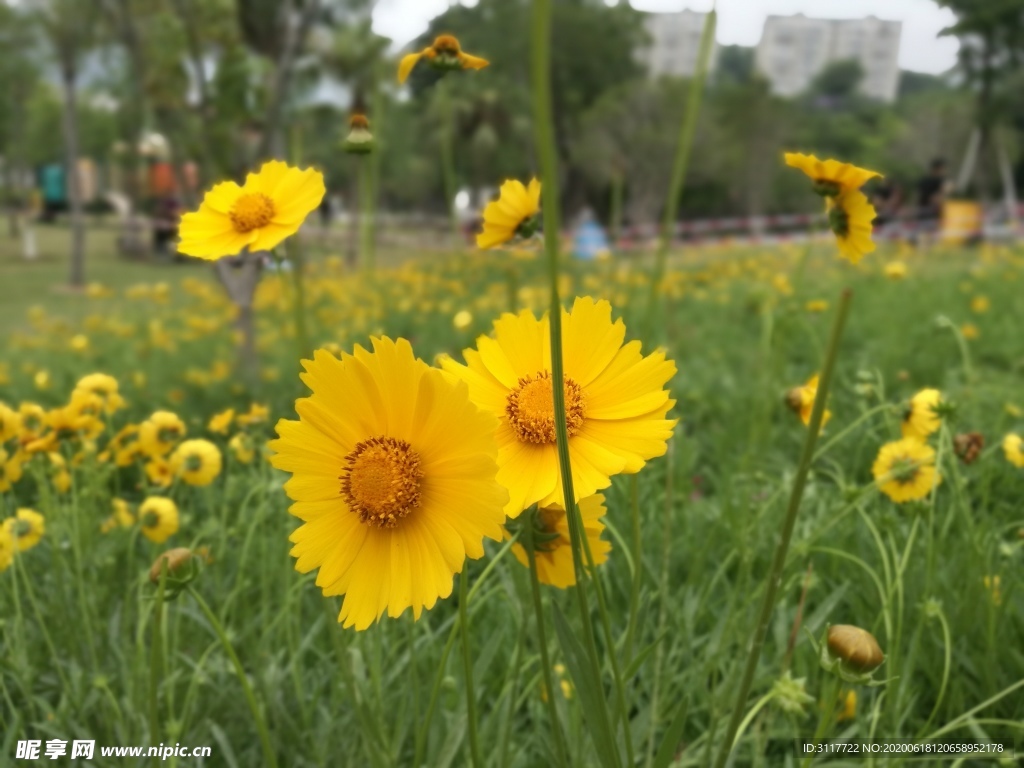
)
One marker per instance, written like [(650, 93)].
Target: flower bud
[(968, 446), (855, 648), (359, 140), (177, 559)]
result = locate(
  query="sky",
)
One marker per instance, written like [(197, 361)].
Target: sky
[(740, 21)]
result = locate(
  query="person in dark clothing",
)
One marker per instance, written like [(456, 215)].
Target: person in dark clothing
[(887, 197), (931, 191)]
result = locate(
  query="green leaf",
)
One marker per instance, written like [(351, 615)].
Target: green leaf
[(589, 690), (670, 741)]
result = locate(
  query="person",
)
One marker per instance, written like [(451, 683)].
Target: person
[(887, 197), (931, 194), (165, 223)]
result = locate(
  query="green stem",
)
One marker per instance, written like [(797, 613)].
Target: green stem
[(447, 156), (541, 80), (156, 656), (269, 757), (634, 594), (467, 663), (936, 611), (545, 661), (298, 261), (682, 161), (829, 693), (779, 561)]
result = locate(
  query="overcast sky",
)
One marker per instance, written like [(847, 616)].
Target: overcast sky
[(740, 21)]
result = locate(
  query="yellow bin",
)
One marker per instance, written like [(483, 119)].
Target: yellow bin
[(961, 221)]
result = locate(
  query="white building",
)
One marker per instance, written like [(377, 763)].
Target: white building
[(794, 49), (674, 43)]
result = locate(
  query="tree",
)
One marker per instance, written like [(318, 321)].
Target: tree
[(69, 26)]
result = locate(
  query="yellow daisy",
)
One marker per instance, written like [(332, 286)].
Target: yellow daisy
[(849, 217), (895, 270), (105, 387), (159, 433), (33, 422), (830, 177), (553, 547), (158, 518), (614, 397), (920, 418), (270, 207), (393, 475), (10, 423), (197, 462), (159, 471), (1013, 447), (59, 475), (905, 470), (513, 214), (122, 516), (6, 549), (801, 401), (444, 54), (220, 422), (26, 528), (10, 468)]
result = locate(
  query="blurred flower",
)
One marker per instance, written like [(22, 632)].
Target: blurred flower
[(782, 285), (980, 305), (905, 470), (615, 401), (10, 469), (220, 423), (59, 475), (42, 380), (197, 462), (393, 472), (10, 423), (1013, 447), (257, 414), (921, 418), (159, 433), (816, 305), (1013, 410), (801, 401), (968, 446), (849, 704), (104, 387), (445, 54), (849, 217), (79, 343), (159, 471), (513, 214), (830, 177), (122, 516), (242, 447), (176, 560), (895, 270), (969, 331), (158, 519), (269, 208), (552, 545), (462, 320), (26, 529)]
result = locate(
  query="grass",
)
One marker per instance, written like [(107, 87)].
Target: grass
[(78, 612)]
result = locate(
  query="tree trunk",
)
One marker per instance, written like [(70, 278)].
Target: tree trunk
[(70, 125)]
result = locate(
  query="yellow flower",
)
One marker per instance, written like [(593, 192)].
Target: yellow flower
[(158, 517), (552, 546), (513, 214), (197, 462), (159, 471), (242, 447), (980, 305), (905, 470), (816, 305), (393, 475), (33, 421), (105, 387), (269, 208), (921, 419), (830, 177), (969, 331), (849, 217), (26, 528), (849, 710), (782, 284), (10, 469), (257, 415), (895, 270), (6, 549), (445, 54), (1013, 447), (220, 422), (10, 423), (462, 320), (159, 433), (801, 401), (60, 476), (614, 398), (122, 517)]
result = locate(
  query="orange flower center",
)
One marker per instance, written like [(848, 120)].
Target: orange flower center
[(531, 408), (446, 44), (381, 480), (359, 121), (251, 211)]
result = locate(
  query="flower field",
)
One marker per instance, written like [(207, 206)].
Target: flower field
[(128, 431)]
